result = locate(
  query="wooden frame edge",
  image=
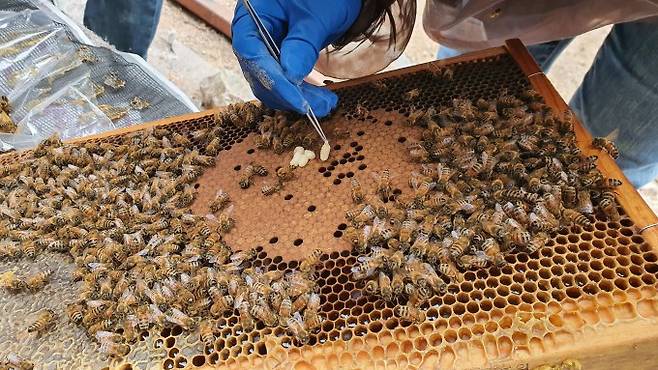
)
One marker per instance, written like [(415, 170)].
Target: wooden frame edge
[(211, 12), (632, 202), (145, 125)]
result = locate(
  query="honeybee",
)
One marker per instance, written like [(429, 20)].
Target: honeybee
[(407, 230), (13, 361), (576, 217), (206, 333), (460, 243), (37, 281), (537, 242), (113, 349), (411, 94), (225, 220), (356, 191), (609, 205), (285, 310), (309, 263), (245, 180), (312, 320), (608, 183), (220, 201), (285, 173), (585, 203), (264, 314), (45, 321), (268, 190), (516, 212), (299, 284), (358, 237), (75, 312), (112, 80), (9, 249), (178, 317), (366, 267), (213, 146), (518, 237), (384, 283), (491, 249), (221, 303), (605, 144), (259, 170), (11, 283), (383, 183), (297, 328), (411, 313), (473, 261), (360, 111)]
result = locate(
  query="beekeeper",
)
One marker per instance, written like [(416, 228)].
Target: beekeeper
[(352, 38)]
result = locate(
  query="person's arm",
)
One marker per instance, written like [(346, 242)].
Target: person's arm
[(301, 28), (304, 28)]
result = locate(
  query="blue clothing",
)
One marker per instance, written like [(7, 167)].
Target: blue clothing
[(620, 91), (129, 25)]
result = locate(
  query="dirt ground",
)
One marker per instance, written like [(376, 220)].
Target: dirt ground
[(200, 60)]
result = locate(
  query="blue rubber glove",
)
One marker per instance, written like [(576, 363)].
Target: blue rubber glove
[(301, 28)]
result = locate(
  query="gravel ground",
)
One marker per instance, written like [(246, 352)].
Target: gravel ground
[(200, 60)]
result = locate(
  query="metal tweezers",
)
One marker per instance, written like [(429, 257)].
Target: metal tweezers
[(276, 54)]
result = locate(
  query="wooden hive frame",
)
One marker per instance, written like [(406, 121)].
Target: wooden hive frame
[(611, 327)]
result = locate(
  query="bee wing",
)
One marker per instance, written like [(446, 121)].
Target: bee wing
[(297, 316), (533, 217), (249, 280), (228, 211), (103, 335), (367, 231), (378, 224), (612, 136), (210, 217), (95, 303)]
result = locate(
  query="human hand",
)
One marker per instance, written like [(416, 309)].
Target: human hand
[(301, 28)]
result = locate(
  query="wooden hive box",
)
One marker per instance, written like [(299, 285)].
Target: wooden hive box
[(589, 295)]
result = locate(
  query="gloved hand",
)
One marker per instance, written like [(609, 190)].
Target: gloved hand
[(301, 28)]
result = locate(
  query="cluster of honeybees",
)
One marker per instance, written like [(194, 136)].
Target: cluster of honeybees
[(494, 178), (279, 133), (121, 211), (33, 283), (6, 123)]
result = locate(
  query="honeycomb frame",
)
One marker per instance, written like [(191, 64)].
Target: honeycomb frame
[(590, 294)]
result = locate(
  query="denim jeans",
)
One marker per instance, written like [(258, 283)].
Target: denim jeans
[(620, 91), (129, 25)]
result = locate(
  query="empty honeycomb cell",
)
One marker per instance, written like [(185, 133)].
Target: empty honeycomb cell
[(648, 279), (450, 336), (570, 268), (176, 330), (169, 342)]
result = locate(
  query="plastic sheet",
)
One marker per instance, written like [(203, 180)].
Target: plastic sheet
[(56, 83)]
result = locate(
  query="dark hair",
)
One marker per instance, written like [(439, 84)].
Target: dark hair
[(372, 16)]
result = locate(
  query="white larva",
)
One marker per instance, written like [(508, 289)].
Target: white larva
[(324, 152), (309, 154)]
